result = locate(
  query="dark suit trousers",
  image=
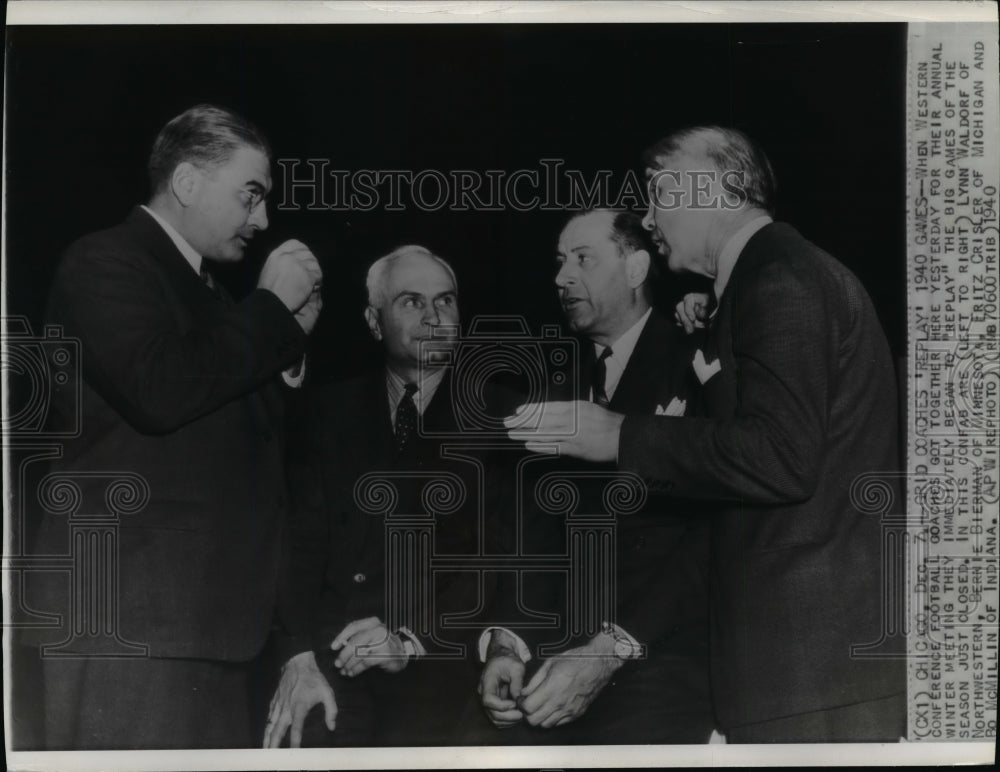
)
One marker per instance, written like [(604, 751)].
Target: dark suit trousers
[(145, 703), (660, 700), (875, 721), (419, 705)]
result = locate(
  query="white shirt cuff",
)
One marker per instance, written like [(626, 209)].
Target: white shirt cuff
[(295, 381), (521, 647)]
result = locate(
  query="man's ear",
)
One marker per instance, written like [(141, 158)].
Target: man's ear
[(184, 182), (637, 268), (371, 316)]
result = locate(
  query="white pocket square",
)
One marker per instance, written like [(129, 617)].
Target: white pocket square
[(675, 408), (703, 369)]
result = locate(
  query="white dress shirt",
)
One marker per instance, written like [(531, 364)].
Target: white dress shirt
[(621, 352), (294, 375), (427, 386), (189, 252), (731, 252)]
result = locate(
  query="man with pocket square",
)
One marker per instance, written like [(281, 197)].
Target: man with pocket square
[(799, 403), (642, 677)]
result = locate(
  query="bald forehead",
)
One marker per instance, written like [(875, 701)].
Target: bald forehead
[(415, 270)]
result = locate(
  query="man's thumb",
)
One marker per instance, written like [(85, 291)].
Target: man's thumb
[(330, 710), (516, 681), (537, 678)]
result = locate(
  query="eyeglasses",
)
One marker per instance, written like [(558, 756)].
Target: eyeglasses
[(251, 198)]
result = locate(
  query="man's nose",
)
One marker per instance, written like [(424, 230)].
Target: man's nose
[(647, 220), (258, 217), (432, 314), (565, 275)]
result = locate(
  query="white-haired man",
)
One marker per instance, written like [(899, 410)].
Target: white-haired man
[(340, 652), (799, 404)]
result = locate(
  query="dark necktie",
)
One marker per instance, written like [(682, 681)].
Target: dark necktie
[(406, 417), (209, 279), (598, 376)]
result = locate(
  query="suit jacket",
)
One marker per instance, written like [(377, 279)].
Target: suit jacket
[(805, 403), (180, 386), (338, 551), (661, 551)]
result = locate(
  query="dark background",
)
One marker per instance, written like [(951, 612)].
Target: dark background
[(824, 100)]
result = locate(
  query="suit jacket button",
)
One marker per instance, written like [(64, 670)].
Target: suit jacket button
[(359, 578)]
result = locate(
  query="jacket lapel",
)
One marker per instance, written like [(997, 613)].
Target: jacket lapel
[(719, 394), (182, 276), (266, 403), (581, 384), (438, 415), (649, 370), (364, 444), (374, 442)]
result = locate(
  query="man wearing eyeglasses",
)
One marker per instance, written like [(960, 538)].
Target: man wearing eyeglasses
[(798, 420), (181, 385)]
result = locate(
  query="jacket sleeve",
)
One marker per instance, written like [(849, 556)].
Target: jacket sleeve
[(308, 543), (529, 603), (135, 354), (675, 597), (771, 450)]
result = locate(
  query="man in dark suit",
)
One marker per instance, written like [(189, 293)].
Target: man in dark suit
[(799, 403), (181, 387), (640, 674), (369, 662)]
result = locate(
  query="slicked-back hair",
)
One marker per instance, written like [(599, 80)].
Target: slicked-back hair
[(204, 135), (629, 236), (729, 150), (375, 281)]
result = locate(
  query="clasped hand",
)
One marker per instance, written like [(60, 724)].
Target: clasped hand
[(293, 274), (561, 691), (366, 643)]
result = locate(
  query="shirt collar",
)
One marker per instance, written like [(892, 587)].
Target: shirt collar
[(427, 386), (621, 349), (189, 252), (731, 252)]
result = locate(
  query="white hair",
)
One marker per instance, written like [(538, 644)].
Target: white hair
[(375, 282)]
